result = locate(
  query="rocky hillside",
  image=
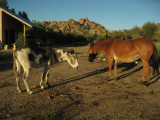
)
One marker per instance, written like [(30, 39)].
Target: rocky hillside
[(83, 27)]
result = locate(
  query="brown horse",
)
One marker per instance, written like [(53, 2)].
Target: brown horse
[(127, 51)]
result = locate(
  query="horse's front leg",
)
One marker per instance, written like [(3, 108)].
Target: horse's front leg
[(44, 75), (109, 68), (115, 69)]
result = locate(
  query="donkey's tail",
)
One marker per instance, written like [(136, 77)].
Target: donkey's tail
[(155, 62), (14, 63)]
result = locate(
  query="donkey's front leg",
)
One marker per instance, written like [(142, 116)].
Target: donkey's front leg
[(45, 74), (18, 88)]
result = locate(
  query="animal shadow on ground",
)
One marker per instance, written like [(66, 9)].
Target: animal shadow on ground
[(67, 113), (127, 65)]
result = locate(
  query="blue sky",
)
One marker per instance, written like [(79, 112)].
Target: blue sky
[(112, 14)]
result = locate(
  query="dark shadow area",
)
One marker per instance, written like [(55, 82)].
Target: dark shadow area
[(6, 62), (130, 73), (128, 67), (67, 112), (155, 79), (5, 84), (80, 77)]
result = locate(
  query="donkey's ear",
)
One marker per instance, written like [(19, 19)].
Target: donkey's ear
[(91, 43)]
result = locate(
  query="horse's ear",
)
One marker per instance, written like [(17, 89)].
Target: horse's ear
[(91, 43)]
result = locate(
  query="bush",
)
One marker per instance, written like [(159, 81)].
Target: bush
[(158, 48), (149, 29), (21, 40)]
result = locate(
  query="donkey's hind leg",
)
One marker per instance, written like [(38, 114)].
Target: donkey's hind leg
[(47, 76), (25, 78), (17, 71), (44, 75)]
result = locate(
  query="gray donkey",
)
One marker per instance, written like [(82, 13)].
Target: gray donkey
[(35, 57)]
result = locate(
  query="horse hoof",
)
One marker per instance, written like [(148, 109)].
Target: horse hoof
[(141, 83), (107, 79), (146, 83)]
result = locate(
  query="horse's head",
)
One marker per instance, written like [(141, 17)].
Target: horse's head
[(92, 52), (70, 57)]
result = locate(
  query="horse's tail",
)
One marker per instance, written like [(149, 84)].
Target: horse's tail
[(155, 62)]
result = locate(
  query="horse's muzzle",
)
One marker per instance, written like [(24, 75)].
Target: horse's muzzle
[(91, 57)]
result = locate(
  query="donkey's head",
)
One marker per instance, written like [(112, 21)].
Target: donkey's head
[(92, 52), (69, 56)]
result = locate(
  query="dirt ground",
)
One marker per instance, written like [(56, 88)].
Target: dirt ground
[(81, 95)]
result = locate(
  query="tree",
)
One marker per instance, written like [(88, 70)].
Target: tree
[(23, 14), (4, 4), (136, 32), (149, 29), (12, 10), (21, 40)]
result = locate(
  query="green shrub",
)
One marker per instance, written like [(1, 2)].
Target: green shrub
[(48, 114), (21, 40), (158, 48)]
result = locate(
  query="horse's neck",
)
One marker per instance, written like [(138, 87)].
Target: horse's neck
[(102, 46)]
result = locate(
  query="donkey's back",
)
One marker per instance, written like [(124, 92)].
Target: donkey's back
[(32, 57)]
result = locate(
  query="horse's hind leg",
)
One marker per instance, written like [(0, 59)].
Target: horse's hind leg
[(44, 75), (146, 72), (25, 78), (17, 71)]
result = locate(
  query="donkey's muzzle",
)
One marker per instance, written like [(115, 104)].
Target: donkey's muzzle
[(75, 68)]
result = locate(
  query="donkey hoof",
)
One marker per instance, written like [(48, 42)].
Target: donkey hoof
[(49, 85), (19, 91), (42, 87), (146, 83), (30, 92)]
